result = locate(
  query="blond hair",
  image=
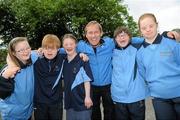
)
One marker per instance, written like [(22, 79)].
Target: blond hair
[(71, 36), (11, 49), (145, 15), (93, 23)]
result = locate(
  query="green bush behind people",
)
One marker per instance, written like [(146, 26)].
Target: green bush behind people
[(3, 54)]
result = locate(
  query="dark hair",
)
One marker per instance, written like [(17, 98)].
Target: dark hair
[(122, 29), (177, 30)]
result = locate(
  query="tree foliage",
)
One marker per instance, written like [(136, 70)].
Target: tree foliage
[(8, 25), (3, 54), (35, 18)]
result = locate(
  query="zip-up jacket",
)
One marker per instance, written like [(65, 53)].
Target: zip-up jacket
[(19, 105), (100, 60), (75, 73), (46, 73), (127, 85), (159, 64)]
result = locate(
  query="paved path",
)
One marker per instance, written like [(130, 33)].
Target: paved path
[(149, 111)]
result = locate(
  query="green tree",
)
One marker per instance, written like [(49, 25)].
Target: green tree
[(110, 13), (3, 54), (8, 24), (39, 17), (35, 18)]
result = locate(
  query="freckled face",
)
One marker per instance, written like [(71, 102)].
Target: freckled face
[(50, 52)]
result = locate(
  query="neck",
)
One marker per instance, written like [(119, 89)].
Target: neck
[(70, 57), (150, 41), (94, 46), (23, 62)]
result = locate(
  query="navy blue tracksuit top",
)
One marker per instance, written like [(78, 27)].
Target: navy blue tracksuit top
[(75, 73), (46, 73)]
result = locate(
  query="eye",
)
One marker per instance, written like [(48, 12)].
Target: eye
[(151, 26), (24, 50), (90, 33), (143, 28)]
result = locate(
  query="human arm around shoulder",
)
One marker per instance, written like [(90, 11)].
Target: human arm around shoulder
[(82, 46), (9, 72), (172, 35), (137, 40), (177, 36), (7, 81), (84, 57), (10, 69)]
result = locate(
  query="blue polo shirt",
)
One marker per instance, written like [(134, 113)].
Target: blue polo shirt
[(127, 85), (75, 73), (159, 64), (19, 105)]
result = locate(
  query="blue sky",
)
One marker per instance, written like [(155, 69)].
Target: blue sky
[(167, 12)]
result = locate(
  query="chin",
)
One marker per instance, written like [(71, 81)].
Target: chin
[(96, 43), (122, 45), (26, 58), (52, 57)]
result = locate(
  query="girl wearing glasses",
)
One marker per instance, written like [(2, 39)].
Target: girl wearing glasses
[(19, 104)]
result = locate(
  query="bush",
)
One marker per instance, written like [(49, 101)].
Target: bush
[(3, 54)]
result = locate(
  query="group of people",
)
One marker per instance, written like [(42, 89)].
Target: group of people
[(121, 73), (38, 81)]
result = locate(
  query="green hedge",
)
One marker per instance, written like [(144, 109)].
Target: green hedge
[(3, 54)]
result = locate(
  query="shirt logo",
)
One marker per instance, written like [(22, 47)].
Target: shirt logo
[(56, 68), (166, 53), (74, 70)]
